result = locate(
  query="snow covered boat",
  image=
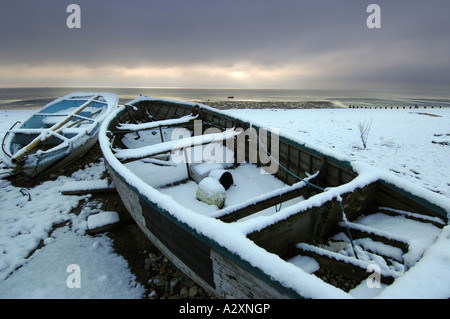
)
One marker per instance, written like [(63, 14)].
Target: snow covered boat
[(249, 213), (57, 134)]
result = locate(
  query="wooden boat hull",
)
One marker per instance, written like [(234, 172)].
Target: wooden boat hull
[(60, 161), (191, 252), (57, 134), (250, 260)]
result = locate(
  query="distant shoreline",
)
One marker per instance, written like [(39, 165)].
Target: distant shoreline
[(234, 104), (36, 98)]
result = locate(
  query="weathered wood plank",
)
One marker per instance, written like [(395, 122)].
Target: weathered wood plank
[(358, 231), (87, 187), (191, 251), (341, 264), (397, 200), (266, 202), (436, 221), (234, 282)]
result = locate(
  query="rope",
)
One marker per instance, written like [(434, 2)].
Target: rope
[(339, 199)]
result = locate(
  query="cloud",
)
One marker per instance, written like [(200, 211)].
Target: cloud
[(245, 43), (204, 75)]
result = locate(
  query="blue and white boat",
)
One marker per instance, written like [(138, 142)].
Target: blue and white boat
[(57, 134)]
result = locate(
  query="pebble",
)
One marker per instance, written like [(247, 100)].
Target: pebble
[(165, 280), (337, 280), (173, 283), (193, 291), (184, 292)]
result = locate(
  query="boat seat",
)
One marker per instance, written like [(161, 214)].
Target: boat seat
[(49, 121), (73, 130)]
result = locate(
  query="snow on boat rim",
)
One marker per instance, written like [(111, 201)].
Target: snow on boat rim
[(233, 237), (222, 235)]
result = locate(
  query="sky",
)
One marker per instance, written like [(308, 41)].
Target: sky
[(291, 44)]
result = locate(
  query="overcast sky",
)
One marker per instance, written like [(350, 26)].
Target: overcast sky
[(322, 44)]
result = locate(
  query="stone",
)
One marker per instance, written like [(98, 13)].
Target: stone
[(173, 283), (193, 291), (159, 280), (184, 292)]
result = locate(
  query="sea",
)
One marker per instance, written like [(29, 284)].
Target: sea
[(37, 97)]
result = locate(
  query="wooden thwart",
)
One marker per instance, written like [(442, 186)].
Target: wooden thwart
[(360, 231), (174, 145), (156, 124), (84, 119), (233, 213), (337, 263), (87, 187)]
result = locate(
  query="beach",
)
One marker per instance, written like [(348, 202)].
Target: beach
[(43, 231), (37, 97)]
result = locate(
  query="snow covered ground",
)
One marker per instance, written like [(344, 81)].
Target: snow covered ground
[(413, 144), (27, 218)]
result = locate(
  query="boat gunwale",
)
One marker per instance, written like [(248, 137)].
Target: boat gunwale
[(237, 259), (347, 164), (177, 217)]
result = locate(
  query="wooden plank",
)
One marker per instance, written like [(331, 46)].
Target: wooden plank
[(82, 118), (194, 253), (174, 145), (395, 199), (280, 238), (436, 221), (359, 231), (315, 224), (131, 200), (87, 187), (340, 264), (233, 281), (297, 190), (102, 222), (156, 124)]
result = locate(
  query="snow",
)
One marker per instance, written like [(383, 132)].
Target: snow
[(233, 236), (188, 142), (211, 192), (87, 185), (431, 271), (45, 274), (102, 219), (400, 149), (150, 125), (40, 238), (418, 235), (211, 186), (400, 141), (30, 271), (306, 263), (249, 186)]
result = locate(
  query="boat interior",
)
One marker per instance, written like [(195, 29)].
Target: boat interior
[(49, 117), (331, 237)]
